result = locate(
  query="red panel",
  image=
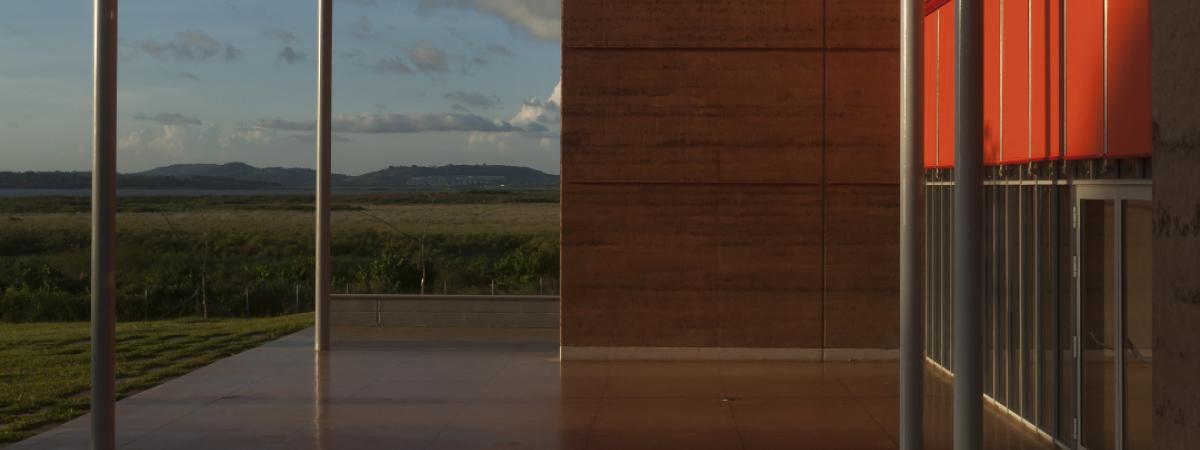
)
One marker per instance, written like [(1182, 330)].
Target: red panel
[(991, 81), (946, 81), (1085, 79), (1054, 46), (929, 89), (1129, 122), (1042, 79), (1015, 81), (933, 5)]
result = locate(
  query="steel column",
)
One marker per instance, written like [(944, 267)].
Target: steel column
[(968, 212), (104, 226), (912, 356), (324, 100)]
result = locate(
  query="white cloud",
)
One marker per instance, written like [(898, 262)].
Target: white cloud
[(169, 143), (535, 135), (188, 45), (541, 115), (428, 58), (393, 123), (541, 19)]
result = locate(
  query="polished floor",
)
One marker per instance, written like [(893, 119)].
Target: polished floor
[(505, 389)]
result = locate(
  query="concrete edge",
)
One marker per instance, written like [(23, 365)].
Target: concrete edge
[(573, 353)]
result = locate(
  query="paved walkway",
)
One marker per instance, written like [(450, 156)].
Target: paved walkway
[(505, 389)]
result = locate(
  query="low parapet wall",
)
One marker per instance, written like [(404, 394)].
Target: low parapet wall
[(472, 311)]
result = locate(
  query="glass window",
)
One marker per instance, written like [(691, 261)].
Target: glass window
[(1047, 300), (1097, 328), (1139, 325), (989, 252), (1066, 319)]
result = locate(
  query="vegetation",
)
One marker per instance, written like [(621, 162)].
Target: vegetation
[(253, 256), (44, 379)]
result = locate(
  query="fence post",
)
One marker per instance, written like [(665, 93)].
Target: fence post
[(204, 296)]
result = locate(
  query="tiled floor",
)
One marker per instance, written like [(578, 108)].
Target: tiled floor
[(505, 389)]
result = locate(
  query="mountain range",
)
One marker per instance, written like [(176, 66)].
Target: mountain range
[(238, 175)]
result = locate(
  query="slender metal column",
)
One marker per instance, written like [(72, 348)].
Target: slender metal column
[(104, 227), (911, 186), (324, 100), (968, 215)]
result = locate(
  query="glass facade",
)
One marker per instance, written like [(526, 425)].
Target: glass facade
[(1066, 272)]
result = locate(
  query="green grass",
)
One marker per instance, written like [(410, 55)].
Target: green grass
[(44, 374)]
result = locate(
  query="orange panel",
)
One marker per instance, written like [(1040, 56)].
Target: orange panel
[(1129, 121), (1085, 78), (929, 90), (1054, 46), (946, 81), (991, 81), (1039, 79), (1042, 79), (1015, 78)]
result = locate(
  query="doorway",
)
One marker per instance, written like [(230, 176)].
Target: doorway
[(1113, 320)]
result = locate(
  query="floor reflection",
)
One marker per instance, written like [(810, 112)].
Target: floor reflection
[(477, 389)]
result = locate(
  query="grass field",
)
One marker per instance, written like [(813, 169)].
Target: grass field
[(44, 374), (441, 218), (249, 256)]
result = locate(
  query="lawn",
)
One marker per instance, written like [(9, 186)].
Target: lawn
[(44, 377)]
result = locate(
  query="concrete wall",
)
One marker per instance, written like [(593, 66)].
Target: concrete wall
[(730, 174), (1176, 94)]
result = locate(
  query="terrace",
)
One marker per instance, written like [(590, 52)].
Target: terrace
[(476, 388)]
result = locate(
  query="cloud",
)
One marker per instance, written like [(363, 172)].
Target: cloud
[(499, 49), (428, 58), (541, 115), (474, 99), (538, 118), (188, 76), (541, 19), (283, 36), (189, 45), (536, 130), (362, 29), (168, 119), (394, 123), (312, 138), (391, 65), (291, 56), (169, 143)]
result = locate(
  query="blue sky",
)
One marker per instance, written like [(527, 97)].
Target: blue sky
[(424, 82)]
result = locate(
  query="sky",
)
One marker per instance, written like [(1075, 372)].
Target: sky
[(424, 82)]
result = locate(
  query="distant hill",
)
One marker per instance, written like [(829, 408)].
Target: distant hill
[(454, 175), (244, 176), (281, 176)]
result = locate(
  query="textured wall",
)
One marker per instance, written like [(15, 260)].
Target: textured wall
[(1176, 67), (729, 173)]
